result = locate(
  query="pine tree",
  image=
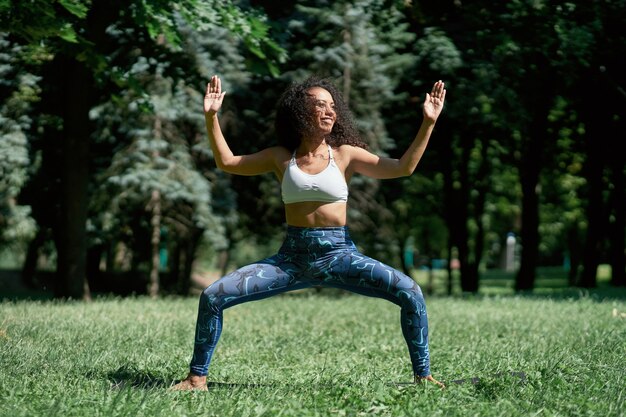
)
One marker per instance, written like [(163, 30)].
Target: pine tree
[(91, 45), (18, 89)]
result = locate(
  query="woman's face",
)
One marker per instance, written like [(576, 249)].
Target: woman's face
[(322, 109)]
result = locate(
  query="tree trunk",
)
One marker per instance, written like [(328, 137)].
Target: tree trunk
[(155, 222), (530, 170), (617, 236), (617, 206), (70, 94), (427, 251), (449, 282), (575, 254), (94, 276), (175, 261), (597, 121), (402, 236), (29, 267), (529, 233), (347, 69), (469, 280), (223, 258), (594, 215), (77, 88), (611, 69), (184, 283), (451, 200), (481, 187), (525, 278)]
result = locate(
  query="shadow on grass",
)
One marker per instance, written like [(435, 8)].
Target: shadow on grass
[(127, 377), (130, 377), (515, 377)]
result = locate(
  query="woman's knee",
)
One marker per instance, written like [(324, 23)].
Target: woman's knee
[(210, 299), (412, 299)]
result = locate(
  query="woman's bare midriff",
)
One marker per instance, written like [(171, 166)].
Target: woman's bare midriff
[(315, 214)]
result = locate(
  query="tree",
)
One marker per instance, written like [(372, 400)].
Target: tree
[(462, 43), (155, 178), (18, 92), (592, 32), (81, 45)]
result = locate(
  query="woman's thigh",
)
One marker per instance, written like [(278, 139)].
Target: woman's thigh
[(255, 281), (362, 274)]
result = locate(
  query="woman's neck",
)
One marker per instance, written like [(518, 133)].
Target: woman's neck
[(311, 146)]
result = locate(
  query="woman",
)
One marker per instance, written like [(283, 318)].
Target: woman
[(320, 150)]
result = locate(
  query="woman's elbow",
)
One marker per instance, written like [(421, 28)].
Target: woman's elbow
[(220, 165), (406, 171), (226, 165)]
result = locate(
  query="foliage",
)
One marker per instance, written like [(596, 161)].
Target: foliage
[(18, 92), (520, 104), (100, 42), (62, 21), (363, 46)]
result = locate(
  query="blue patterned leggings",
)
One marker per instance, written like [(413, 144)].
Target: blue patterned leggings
[(313, 257)]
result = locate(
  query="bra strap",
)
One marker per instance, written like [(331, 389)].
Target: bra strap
[(330, 153)]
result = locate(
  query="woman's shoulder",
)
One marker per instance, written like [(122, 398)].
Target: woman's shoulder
[(279, 153), (345, 155), (347, 150), (344, 148), (277, 150)]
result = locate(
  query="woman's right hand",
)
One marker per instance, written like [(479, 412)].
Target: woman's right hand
[(214, 96)]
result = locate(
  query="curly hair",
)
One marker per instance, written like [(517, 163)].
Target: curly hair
[(293, 117)]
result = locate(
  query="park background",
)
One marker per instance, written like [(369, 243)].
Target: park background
[(108, 184), (113, 215)]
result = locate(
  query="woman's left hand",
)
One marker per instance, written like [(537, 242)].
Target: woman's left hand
[(214, 96), (434, 101)]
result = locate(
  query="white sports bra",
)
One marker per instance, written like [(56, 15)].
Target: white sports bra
[(328, 186)]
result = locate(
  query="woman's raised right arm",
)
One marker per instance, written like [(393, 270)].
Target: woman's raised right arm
[(253, 164)]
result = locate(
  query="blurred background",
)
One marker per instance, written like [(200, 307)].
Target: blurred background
[(108, 186)]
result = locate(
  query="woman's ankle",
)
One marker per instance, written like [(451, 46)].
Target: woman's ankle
[(196, 379)]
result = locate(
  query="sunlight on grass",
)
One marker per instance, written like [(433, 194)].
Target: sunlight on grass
[(311, 353)]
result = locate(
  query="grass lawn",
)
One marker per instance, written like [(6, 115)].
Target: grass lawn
[(315, 354)]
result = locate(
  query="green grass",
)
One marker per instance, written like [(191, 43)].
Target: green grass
[(315, 354)]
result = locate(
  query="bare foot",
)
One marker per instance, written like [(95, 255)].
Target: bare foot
[(429, 378), (190, 383)]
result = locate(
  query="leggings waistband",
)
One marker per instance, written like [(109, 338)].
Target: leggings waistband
[(304, 232), (317, 240)]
